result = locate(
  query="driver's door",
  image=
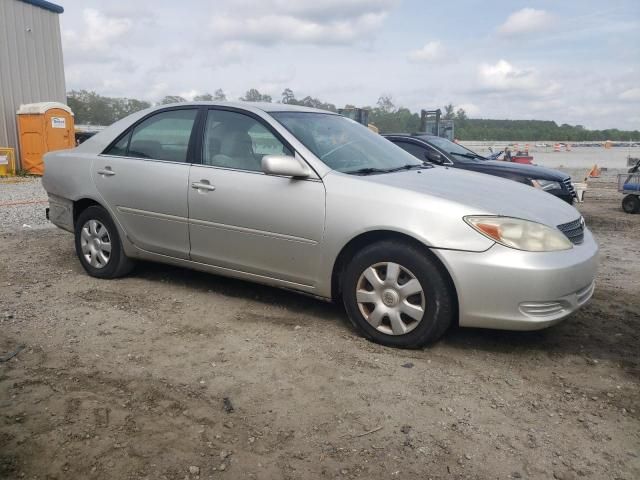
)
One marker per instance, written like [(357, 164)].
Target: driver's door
[(245, 220)]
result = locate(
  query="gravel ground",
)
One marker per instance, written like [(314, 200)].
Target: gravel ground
[(127, 379), (22, 204)]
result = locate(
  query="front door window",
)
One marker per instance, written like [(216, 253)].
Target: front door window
[(235, 140)]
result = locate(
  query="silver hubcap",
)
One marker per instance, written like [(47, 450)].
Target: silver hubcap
[(95, 243), (390, 298)]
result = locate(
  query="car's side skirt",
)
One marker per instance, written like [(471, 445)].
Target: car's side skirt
[(228, 272)]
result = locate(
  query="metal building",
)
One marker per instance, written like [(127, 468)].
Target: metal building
[(31, 66)]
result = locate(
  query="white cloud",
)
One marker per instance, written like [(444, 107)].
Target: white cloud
[(189, 94), (322, 22), (527, 20), (99, 32), (633, 95), (505, 78), (431, 52), (157, 91), (471, 109), (317, 10), (286, 28)]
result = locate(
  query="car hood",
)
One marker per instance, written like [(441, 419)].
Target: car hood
[(482, 194), (531, 171)]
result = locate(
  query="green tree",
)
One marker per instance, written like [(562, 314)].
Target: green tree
[(205, 97), (385, 103), (172, 99), (397, 121), (219, 95), (254, 95), (313, 102), (449, 112), (93, 109), (288, 96)]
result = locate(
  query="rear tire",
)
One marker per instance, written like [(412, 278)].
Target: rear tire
[(395, 294), (631, 204), (98, 245)]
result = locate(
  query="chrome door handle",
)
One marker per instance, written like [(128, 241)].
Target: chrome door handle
[(203, 186), (106, 172)]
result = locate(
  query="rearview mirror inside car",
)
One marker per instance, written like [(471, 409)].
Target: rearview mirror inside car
[(285, 165)]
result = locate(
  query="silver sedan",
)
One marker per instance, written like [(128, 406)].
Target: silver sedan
[(311, 201)]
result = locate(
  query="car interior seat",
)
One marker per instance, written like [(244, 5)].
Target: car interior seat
[(236, 151)]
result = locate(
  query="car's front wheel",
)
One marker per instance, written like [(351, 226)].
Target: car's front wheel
[(397, 295), (98, 245)]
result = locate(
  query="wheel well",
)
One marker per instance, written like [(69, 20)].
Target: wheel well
[(81, 205), (368, 238)]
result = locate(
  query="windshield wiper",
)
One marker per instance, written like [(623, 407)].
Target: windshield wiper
[(366, 171), (468, 155), (371, 170), (410, 167)]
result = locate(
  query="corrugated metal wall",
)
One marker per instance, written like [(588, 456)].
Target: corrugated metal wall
[(31, 65)]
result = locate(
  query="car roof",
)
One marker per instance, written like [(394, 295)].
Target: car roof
[(100, 141), (263, 106)]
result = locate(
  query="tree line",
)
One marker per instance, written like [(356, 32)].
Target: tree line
[(94, 109)]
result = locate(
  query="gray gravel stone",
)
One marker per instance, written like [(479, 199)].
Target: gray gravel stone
[(22, 204)]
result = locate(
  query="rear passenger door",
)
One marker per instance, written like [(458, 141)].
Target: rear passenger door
[(143, 178)]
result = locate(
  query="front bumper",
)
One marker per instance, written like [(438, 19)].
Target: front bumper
[(510, 289)]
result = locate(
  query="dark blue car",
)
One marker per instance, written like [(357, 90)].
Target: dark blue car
[(441, 151)]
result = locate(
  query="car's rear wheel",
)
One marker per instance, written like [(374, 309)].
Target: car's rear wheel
[(397, 295), (98, 245), (631, 204)]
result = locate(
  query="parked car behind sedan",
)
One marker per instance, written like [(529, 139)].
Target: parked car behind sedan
[(442, 151), (311, 201)]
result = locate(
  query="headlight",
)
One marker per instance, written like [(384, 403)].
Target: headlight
[(520, 234), (546, 184)]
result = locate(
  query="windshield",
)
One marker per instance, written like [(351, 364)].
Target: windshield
[(456, 149), (345, 145)]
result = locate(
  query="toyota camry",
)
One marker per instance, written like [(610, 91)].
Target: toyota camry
[(311, 201)]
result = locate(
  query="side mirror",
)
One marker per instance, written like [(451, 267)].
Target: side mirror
[(432, 156), (285, 166)]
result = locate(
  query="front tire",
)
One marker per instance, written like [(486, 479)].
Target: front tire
[(98, 245), (631, 204), (397, 295)]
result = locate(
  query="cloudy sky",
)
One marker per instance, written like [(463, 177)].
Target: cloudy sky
[(572, 61)]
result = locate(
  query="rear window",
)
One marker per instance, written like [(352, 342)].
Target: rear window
[(164, 136)]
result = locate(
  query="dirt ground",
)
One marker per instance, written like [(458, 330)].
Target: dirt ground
[(127, 379)]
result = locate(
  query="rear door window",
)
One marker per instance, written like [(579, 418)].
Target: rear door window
[(163, 136), (120, 147)]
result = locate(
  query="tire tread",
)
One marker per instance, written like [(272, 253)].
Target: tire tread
[(445, 309), (123, 265)]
